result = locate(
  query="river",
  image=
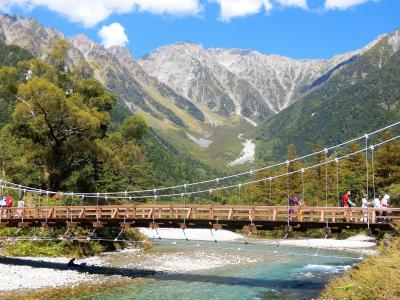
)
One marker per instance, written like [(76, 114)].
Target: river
[(209, 270)]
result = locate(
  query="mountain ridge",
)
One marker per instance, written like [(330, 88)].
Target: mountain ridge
[(188, 92)]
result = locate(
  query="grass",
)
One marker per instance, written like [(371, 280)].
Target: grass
[(375, 278), (226, 145), (66, 248)]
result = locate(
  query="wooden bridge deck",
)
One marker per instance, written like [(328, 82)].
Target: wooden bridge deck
[(196, 216)]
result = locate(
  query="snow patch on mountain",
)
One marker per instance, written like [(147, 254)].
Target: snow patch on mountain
[(250, 121), (248, 152), (202, 142)]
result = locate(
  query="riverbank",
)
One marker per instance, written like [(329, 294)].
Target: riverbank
[(375, 278), (30, 273), (356, 242), (19, 273)]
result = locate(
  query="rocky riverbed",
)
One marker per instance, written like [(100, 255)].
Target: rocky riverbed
[(26, 273)]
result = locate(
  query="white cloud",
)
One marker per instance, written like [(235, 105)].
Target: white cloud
[(91, 12), (293, 3), (240, 8), (342, 4), (113, 35)]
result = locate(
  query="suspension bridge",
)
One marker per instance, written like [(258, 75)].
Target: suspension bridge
[(213, 215)]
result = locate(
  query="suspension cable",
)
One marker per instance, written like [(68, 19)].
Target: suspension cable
[(218, 188), (270, 191), (373, 170), (31, 189), (288, 192), (366, 161), (337, 180), (326, 186)]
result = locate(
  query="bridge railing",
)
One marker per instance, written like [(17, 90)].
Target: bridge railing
[(209, 212)]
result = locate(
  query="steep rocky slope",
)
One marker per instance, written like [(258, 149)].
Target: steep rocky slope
[(360, 97)]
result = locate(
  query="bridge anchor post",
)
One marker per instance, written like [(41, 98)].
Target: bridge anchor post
[(288, 229), (252, 228), (23, 224), (217, 226), (72, 224), (125, 225), (98, 224), (44, 225), (3, 225), (153, 225), (368, 231), (327, 230)]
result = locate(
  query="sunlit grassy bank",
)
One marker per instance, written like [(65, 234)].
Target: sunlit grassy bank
[(375, 278)]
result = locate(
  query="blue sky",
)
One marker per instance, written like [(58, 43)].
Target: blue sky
[(294, 28)]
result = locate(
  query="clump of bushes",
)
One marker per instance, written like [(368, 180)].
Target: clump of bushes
[(49, 244)]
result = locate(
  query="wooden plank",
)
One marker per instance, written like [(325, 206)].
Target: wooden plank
[(230, 214), (150, 213), (134, 212), (189, 213), (274, 215)]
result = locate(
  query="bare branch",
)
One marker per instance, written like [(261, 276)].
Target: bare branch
[(27, 103)]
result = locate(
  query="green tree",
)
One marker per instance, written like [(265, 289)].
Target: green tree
[(387, 163), (62, 117)]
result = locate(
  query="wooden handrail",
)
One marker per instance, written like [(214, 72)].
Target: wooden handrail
[(222, 212)]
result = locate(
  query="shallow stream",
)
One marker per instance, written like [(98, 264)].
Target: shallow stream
[(208, 270)]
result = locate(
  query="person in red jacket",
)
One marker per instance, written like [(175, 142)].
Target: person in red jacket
[(348, 203), (9, 201)]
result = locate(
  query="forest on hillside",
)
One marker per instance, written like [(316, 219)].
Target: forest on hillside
[(62, 130)]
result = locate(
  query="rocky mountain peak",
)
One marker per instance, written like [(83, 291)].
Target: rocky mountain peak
[(27, 33), (122, 53), (394, 40), (83, 43)]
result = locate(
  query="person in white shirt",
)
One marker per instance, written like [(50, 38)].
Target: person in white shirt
[(385, 206), (365, 204), (377, 203)]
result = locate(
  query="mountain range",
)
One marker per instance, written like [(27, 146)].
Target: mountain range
[(202, 99)]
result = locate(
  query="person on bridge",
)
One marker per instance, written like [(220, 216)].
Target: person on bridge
[(377, 205), (292, 202), (9, 201), (347, 200), (348, 203), (385, 206), (365, 204), (300, 203)]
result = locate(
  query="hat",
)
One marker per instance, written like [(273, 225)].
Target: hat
[(386, 197)]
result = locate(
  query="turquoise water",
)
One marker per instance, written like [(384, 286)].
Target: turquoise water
[(271, 272)]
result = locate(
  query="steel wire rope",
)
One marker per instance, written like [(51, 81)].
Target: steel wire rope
[(229, 176), (218, 188)]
